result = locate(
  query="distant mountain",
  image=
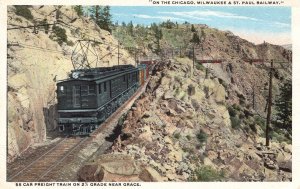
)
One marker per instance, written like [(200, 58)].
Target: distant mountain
[(287, 46)]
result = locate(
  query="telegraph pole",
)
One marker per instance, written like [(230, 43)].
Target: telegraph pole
[(269, 105), (118, 53), (179, 51), (193, 57)]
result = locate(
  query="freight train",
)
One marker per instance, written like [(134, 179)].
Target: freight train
[(89, 96)]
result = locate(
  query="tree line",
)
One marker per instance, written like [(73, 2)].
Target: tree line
[(100, 14)]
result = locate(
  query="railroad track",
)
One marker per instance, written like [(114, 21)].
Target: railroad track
[(47, 165)]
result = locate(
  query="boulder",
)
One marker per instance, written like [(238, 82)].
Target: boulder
[(285, 165), (110, 167), (168, 95), (150, 175)]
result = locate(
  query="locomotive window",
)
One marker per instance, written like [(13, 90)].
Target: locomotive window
[(62, 90), (104, 86), (84, 90), (91, 89), (99, 86)]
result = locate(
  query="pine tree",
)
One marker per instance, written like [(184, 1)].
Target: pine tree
[(105, 18), (78, 9), (130, 28), (158, 36), (193, 28), (102, 16), (95, 11), (283, 105), (195, 39)]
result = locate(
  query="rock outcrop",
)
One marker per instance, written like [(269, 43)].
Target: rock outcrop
[(36, 61), (182, 123)]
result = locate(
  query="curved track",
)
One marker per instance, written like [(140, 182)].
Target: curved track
[(48, 166)]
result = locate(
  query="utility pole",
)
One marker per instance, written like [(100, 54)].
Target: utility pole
[(179, 51), (118, 53), (135, 57), (253, 96), (269, 105), (193, 57), (269, 100)]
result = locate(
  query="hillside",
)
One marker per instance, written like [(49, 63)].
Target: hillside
[(200, 124), (37, 60)]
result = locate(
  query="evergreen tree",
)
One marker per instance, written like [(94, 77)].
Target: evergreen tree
[(94, 12), (158, 36), (105, 18), (195, 39), (193, 28), (130, 28), (78, 9), (168, 24), (283, 105), (102, 16)]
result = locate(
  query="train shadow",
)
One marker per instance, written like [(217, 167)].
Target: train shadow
[(116, 132), (50, 119)]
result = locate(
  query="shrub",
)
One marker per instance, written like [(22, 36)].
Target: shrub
[(22, 10), (60, 34), (207, 173), (201, 136), (232, 112), (188, 137), (236, 107), (200, 67), (19, 19), (70, 43), (260, 121), (235, 122), (177, 135)]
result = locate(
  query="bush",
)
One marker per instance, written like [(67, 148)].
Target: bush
[(188, 137), (259, 121), (235, 122), (70, 43), (202, 136), (207, 173), (60, 34), (237, 107), (22, 10), (19, 19), (177, 135), (232, 112), (200, 67)]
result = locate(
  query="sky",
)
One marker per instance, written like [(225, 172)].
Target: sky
[(256, 24)]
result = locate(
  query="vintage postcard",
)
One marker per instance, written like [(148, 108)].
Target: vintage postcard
[(149, 94)]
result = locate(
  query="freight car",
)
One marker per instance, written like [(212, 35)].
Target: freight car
[(90, 96)]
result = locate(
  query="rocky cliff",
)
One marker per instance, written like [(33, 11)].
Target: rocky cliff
[(181, 130), (201, 124), (37, 59)]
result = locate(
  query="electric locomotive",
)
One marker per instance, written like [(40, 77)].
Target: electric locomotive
[(90, 96)]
